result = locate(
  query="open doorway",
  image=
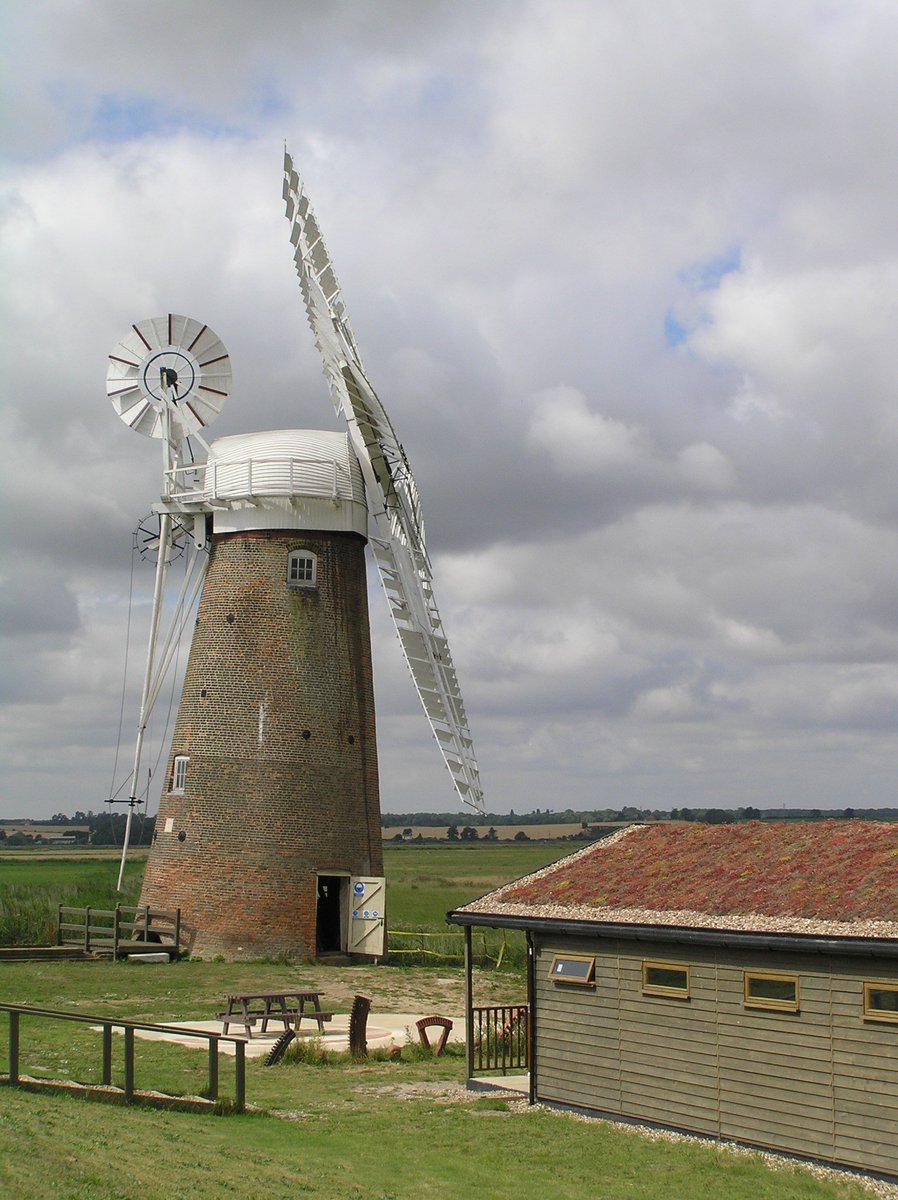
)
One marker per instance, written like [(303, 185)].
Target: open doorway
[(329, 923)]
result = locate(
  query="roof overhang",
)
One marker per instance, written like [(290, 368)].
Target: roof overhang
[(792, 943)]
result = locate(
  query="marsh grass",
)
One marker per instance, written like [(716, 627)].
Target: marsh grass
[(31, 891)]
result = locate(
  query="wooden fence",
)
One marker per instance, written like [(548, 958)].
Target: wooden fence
[(107, 1024), (120, 930)]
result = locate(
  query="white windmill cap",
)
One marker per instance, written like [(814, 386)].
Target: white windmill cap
[(286, 479)]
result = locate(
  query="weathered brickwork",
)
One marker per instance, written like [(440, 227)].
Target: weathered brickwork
[(277, 719)]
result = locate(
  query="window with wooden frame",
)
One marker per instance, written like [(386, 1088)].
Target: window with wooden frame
[(669, 979), (881, 1002), (574, 968), (302, 569), (179, 774), (772, 990)]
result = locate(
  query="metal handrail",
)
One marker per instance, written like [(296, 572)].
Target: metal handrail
[(108, 1024), (501, 1040)]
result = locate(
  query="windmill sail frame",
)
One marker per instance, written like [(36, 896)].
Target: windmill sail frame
[(399, 549)]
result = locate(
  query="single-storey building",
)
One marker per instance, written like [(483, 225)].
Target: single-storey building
[(738, 981)]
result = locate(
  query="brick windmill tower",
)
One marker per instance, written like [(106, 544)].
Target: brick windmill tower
[(268, 833)]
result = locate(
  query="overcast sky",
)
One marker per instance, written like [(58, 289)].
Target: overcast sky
[(625, 275)]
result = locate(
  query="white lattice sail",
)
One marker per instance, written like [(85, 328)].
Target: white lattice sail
[(399, 548)]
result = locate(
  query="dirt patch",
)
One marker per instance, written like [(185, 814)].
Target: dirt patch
[(442, 1091)]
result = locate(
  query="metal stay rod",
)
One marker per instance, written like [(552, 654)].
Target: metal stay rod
[(145, 706)]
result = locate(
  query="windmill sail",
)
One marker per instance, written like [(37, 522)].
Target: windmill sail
[(399, 548)]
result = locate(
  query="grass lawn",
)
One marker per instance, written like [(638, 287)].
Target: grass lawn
[(400, 1130)]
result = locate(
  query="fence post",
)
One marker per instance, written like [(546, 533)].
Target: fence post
[(13, 1047), (240, 1076), (129, 1064), (469, 1009), (116, 929), (178, 931), (59, 925), (87, 930), (213, 1068), (107, 1053)]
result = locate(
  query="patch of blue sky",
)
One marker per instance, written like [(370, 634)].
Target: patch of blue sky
[(121, 117), (703, 276), (675, 333)]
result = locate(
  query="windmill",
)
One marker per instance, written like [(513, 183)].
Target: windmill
[(268, 833)]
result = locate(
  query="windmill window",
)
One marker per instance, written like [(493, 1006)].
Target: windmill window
[(179, 774), (302, 569), (881, 1002)]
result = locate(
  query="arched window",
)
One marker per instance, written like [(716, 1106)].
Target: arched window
[(302, 569)]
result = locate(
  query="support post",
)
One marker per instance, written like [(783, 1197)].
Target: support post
[(240, 1076), (13, 1047), (531, 1015), (116, 928), (107, 1053), (213, 1068), (469, 1005), (87, 930), (129, 1064)]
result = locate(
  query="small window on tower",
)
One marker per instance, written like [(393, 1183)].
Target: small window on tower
[(179, 774), (302, 569)]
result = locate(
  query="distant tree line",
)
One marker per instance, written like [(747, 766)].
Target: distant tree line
[(467, 825), (103, 829)]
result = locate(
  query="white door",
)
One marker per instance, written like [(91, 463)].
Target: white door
[(367, 916)]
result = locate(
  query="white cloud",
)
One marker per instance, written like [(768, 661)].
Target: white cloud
[(666, 569)]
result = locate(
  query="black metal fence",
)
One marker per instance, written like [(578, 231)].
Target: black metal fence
[(107, 1024), (501, 1038)]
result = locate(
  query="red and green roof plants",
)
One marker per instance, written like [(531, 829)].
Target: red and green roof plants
[(823, 870)]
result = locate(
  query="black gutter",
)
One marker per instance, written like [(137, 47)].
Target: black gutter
[(792, 943)]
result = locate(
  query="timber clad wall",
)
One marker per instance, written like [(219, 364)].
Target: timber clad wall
[(277, 721), (822, 1082)]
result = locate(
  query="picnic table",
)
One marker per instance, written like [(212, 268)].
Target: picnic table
[(288, 1006)]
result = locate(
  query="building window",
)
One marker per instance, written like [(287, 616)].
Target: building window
[(665, 979), (881, 1002), (302, 569), (179, 774), (768, 989), (574, 968)]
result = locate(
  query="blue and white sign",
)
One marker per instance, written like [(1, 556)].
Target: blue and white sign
[(359, 888)]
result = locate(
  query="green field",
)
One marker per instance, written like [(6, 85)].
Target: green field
[(423, 883)]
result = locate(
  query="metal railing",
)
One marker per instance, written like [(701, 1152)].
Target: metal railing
[(107, 1024), (119, 930), (501, 1038)]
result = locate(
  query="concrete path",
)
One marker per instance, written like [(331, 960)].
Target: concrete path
[(384, 1030)]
